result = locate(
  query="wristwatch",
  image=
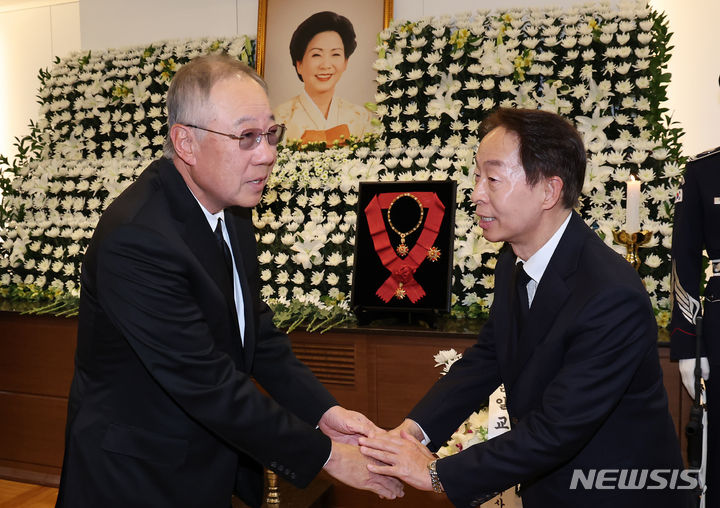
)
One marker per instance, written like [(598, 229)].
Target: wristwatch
[(434, 478)]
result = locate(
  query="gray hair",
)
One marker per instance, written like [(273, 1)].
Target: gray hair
[(190, 89)]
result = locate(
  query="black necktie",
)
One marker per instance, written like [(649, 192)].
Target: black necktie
[(229, 265), (521, 281), (224, 247)]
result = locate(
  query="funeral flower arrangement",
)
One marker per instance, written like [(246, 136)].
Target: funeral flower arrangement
[(602, 68), (102, 120)]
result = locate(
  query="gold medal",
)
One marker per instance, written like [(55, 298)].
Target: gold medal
[(402, 249), (433, 253)]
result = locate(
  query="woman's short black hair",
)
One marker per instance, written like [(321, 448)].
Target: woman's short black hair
[(325, 21)]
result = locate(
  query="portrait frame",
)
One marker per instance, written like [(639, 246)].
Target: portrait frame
[(277, 19), (375, 262)]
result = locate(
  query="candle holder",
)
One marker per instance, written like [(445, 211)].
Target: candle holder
[(273, 493), (631, 243)]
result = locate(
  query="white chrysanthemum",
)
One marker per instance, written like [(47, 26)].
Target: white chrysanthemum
[(282, 277), (334, 259), (446, 357), (317, 277), (413, 126), (281, 259), (414, 75)]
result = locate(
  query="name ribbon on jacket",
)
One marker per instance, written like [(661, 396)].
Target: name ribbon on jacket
[(401, 281)]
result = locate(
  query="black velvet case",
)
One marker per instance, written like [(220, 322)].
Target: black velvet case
[(433, 277)]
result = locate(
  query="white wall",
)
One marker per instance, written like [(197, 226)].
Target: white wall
[(30, 38), (33, 32), (104, 24), (694, 93)]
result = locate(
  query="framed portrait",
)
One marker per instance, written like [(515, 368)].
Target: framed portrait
[(404, 246), (317, 58)]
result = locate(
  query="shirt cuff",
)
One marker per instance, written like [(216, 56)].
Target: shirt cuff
[(426, 438)]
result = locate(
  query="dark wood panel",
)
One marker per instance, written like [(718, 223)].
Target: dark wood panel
[(679, 401), (673, 386), (32, 428), (37, 354), (405, 372), (332, 364), (351, 390)]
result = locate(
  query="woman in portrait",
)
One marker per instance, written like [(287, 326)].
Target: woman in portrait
[(320, 48)]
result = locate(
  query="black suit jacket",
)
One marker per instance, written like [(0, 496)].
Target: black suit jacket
[(163, 410), (583, 381)]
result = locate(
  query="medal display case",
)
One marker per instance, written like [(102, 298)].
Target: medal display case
[(404, 247)]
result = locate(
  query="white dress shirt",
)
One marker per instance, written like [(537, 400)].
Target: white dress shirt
[(237, 289), (537, 263)]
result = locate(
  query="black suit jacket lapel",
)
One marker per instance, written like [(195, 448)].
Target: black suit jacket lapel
[(553, 291), (239, 223), (200, 239)]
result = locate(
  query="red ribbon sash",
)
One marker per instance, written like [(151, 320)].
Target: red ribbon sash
[(402, 270)]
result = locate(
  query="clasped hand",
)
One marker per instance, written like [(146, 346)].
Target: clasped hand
[(346, 463), (400, 454)]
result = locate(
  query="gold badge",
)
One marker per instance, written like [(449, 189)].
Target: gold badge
[(433, 253)]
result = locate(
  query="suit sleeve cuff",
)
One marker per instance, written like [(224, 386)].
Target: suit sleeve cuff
[(426, 438)]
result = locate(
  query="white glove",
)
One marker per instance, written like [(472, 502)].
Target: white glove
[(687, 373)]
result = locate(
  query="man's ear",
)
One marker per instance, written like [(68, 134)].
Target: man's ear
[(184, 143), (553, 187)]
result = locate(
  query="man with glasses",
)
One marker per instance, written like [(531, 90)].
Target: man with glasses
[(163, 410)]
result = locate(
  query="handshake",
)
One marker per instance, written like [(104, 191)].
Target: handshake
[(367, 457)]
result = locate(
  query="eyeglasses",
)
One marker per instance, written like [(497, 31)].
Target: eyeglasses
[(250, 138)]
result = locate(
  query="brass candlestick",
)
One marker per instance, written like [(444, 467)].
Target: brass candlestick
[(273, 495), (631, 243)]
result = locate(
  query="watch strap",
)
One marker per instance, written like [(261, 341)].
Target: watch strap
[(434, 478)]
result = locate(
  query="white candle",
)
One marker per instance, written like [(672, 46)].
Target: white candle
[(632, 206)]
